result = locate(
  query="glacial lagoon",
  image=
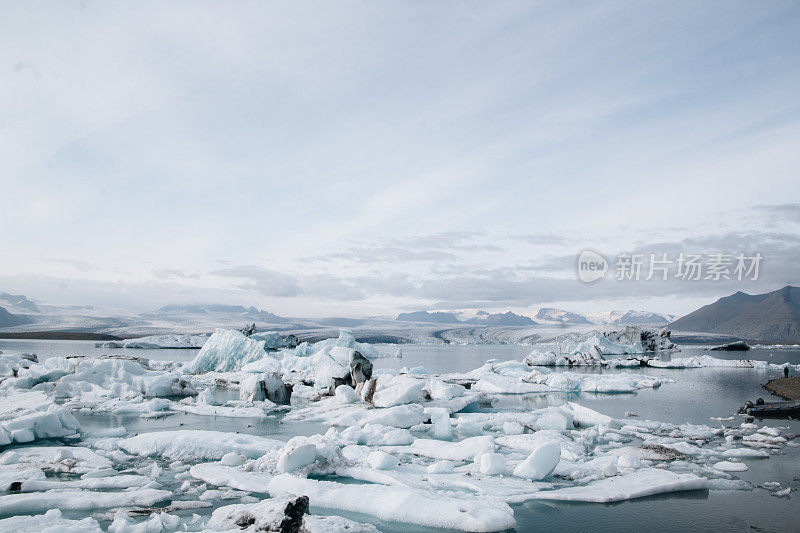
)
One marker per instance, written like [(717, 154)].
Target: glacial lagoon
[(687, 396)]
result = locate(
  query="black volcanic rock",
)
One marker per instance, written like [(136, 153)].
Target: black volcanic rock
[(769, 317), (430, 318)]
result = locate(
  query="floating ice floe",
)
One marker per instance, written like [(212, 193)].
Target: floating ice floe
[(281, 514), (120, 378), (399, 504), (50, 522), (155, 342), (320, 363), (30, 415), (197, 444), (410, 447), (594, 348), (78, 500), (513, 377), (645, 482)]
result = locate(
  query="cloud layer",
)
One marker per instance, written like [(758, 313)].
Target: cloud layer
[(376, 157)]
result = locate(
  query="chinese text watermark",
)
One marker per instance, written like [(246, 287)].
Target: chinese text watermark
[(592, 266)]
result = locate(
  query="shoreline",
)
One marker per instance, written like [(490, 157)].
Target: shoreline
[(786, 388)]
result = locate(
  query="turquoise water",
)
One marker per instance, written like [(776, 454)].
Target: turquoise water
[(695, 396)]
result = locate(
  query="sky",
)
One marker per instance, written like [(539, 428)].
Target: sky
[(367, 158)]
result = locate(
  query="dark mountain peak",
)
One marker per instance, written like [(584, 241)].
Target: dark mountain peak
[(771, 317), (7, 319)]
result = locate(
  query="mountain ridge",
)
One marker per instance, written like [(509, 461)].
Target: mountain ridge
[(771, 317)]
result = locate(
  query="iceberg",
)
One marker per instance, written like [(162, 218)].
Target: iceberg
[(540, 463), (78, 500), (226, 350), (327, 360), (465, 450), (197, 444), (593, 348), (100, 378), (158, 342), (50, 522), (641, 483), (29, 416), (399, 504), (281, 514)]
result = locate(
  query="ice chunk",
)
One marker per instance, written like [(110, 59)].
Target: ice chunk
[(260, 387), (745, 452), (346, 394), (399, 504), (78, 500), (266, 365), (540, 463), (158, 522), (30, 415), (382, 460), (324, 361), (294, 456), (728, 466), (335, 524), (375, 435), (226, 350), (272, 339), (529, 442), (440, 419), (96, 379), (399, 416), (464, 450), (197, 444), (227, 476), (440, 467), (121, 481), (554, 419), (167, 341), (15, 476), (583, 416), (233, 459), (397, 390), (439, 390), (492, 463), (280, 514), (645, 482), (50, 522)]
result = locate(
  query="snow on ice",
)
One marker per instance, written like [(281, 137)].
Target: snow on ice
[(445, 451)]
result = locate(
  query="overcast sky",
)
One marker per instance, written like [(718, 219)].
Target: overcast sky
[(363, 158)]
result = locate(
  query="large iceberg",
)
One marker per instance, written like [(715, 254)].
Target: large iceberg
[(226, 350), (95, 380), (594, 348)]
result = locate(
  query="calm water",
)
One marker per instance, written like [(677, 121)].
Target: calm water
[(695, 396)]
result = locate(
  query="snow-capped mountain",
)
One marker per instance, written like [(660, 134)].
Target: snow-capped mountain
[(630, 317), (555, 316)]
